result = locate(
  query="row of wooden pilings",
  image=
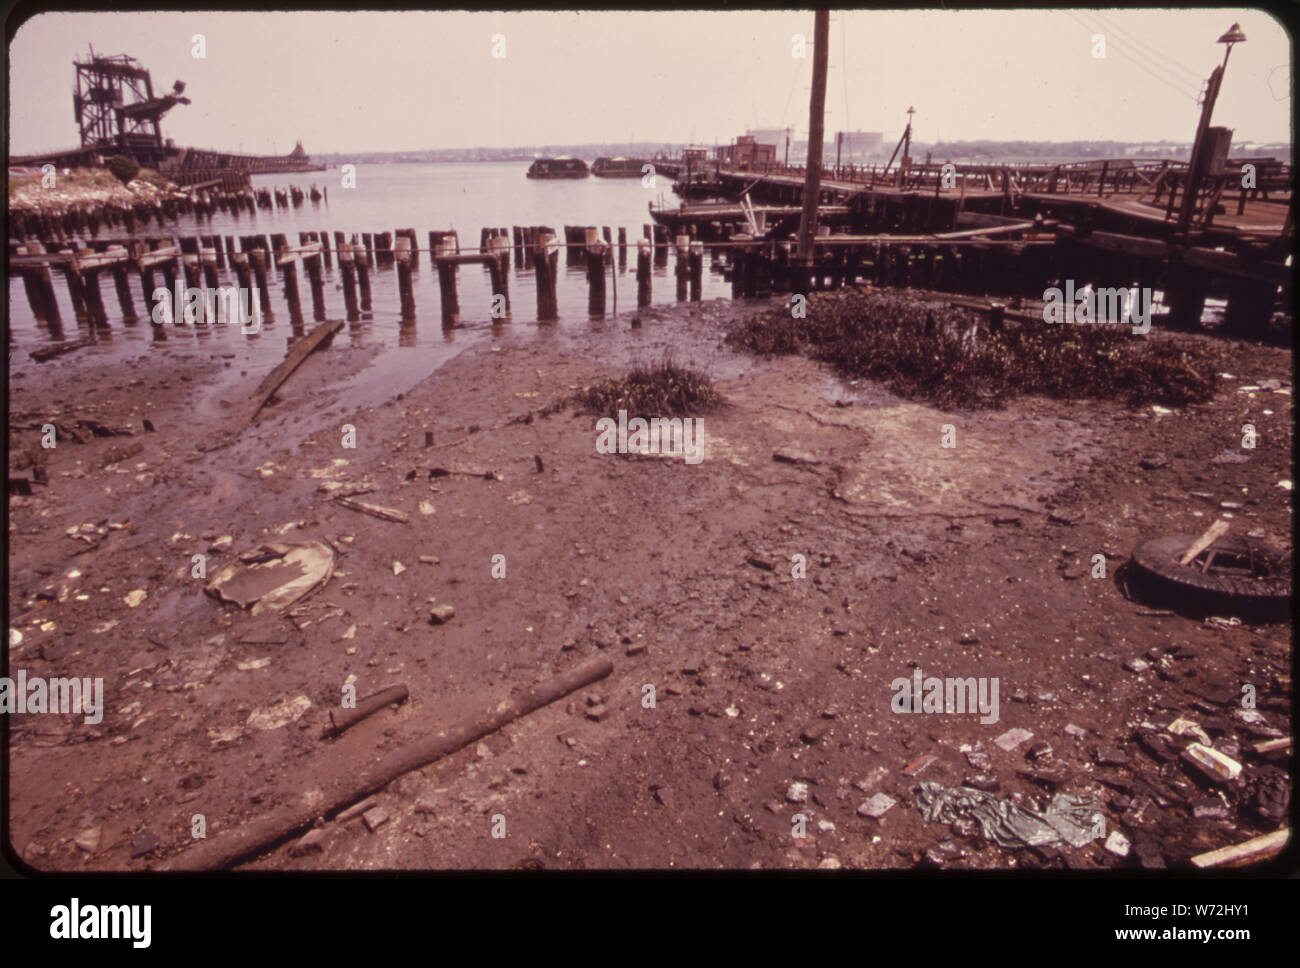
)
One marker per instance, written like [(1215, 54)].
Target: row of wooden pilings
[(753, 267), (77, 220), (254, 259)]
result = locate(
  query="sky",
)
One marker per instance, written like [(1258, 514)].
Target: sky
[(372, 81)]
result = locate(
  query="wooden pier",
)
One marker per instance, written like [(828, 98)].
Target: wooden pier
[(889, 237)]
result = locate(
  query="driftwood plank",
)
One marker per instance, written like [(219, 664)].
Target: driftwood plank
[(249, 839), (374, 510), (1257, 848), (300, 351)]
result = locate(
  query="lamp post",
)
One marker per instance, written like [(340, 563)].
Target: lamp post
[(1233, 36)]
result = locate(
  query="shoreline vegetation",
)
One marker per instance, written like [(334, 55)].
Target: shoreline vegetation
[(950, 357)]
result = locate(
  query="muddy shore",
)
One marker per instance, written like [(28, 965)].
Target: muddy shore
[(973, 561)]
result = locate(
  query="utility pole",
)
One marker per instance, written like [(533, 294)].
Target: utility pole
[(787, 146), (816, 124)]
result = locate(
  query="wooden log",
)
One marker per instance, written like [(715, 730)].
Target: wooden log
[(318, 337), (643, 284), (245, 840), (342, 720)]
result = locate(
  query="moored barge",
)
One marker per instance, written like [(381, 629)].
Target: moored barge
[(561, 167), (617, 168)]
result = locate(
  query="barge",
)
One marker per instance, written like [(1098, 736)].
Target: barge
[(617, 168), (562, 167)]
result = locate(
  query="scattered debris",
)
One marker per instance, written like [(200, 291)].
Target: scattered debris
[(1011, 739), (876, 806), (1216, 766), (441, 614), (344, 719), (274, 576), (318, 337), (374, 510), (1117, 844), (58, 349), (1077, 820), (1255, 849), (280, 714)]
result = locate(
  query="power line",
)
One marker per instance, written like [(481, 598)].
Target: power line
[(1146, 48), (1159, 71), (1168, 79)]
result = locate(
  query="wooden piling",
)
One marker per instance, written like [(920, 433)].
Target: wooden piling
[(681, 270), (315, 276), (94, 299), (499, 272), (76, 289), (447, 247), (622, 248), (289, 280), (695, 263), (347, 266), (123, 286), (643, 291), (363, 274), (596, 252), (404, 291), (258, 257), (409, 235), (546, 263)]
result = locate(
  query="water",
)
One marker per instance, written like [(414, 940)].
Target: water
[(464, 197)]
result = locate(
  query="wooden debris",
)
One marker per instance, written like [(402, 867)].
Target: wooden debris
[(344, 719), (374, 510), (317, 338), (1257, 848), (58, 349), (1212, 534), (1269, 745), (248, 839)]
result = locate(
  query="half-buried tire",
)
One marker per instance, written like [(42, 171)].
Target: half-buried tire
[(1244, 577)]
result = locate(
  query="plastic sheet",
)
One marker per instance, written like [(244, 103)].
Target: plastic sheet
[(1075, 820)]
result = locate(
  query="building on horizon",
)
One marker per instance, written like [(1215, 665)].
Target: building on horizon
[(745, 152), (857, 145), (779, 138)]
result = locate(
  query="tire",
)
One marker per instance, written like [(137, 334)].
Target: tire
[(1156, 569)]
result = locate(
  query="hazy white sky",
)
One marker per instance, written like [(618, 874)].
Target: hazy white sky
[(405, 81)]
